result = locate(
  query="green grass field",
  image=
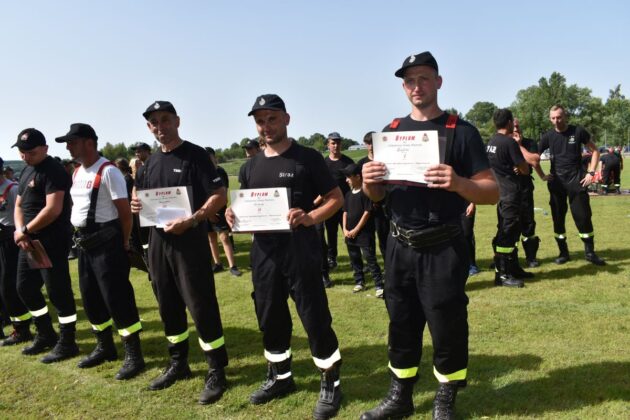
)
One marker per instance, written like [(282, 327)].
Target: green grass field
[(559, 348)]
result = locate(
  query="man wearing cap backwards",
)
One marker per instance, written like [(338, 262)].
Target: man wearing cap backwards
[(427, 255), (42, 212), (286, 264), (10, 301), (102, 220), (567, 179), (179, 254), (336, 162)]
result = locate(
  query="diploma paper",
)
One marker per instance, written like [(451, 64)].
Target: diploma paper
[(260, 210), (161, 205), (406, 154)]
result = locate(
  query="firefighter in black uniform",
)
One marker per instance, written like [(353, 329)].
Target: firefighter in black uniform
[(568, 180), (42, 212), (17, 313), (508, 165), (427, 255), (529, 240), (611, 170), (179, 255), (336, 162), (286, 264), (102, 220)]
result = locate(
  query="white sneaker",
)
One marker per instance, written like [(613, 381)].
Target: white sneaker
[(358, 288), (379, 293)]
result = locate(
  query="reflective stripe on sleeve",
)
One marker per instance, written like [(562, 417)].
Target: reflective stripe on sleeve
[(460, 375), (404, 373), (103, 326), (178, 338), (327, 363), (212, 345), (277, 357), (124, 332)]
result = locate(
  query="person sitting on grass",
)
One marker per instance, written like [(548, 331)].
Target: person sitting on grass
[(358, 231)]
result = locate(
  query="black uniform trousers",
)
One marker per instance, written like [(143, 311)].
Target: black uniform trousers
[(287, 264), (356, 262), (611, 175), (508, 211), (468, 229), (381, 226), (427, 287), (526, 215), (13, 305), (332, 228), (568, 187), (179, 266), (105, 288), (56, 278), (321, 233)]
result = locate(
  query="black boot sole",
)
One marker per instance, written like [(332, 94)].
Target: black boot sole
[(130, 374)]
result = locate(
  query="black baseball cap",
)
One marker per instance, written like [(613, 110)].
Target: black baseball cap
[(251, 144), (78, 131), (352, 169), (268, 101), (334, 136), (140, 146), (422, 59), (165, 106), (30, 138)]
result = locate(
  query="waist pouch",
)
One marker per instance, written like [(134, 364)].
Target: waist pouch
[(425, 238), (6, 233), (88, 241)]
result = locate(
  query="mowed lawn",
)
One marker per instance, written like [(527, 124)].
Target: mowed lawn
[(559, 348)]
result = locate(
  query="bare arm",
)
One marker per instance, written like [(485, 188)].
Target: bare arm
[(333, 200), (124, 214), (588, 178), (359, 227)]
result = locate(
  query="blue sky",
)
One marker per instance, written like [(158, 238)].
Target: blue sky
[(103, 63)]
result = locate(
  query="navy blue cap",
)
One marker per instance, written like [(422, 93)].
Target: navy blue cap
[(78, 131), (422, 59), (334, 136), (268, 101), (165, 106)]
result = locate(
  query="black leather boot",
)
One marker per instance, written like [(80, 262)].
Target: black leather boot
[(589, 251), (21, 334), (66, 346), (530, 247), (134, 362), (279, 383), (503, 275), (177, 368), (214, 387), (326, 280), (329, 395), (397, 404), (516, 269), (45, 338), (105, 350), (563, 257), (444, 401)]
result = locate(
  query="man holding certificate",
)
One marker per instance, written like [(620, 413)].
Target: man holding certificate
[(179, 254), (427, 256), (288, 262)]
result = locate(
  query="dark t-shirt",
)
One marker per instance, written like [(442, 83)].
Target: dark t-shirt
[(186, 165), (36, 182), (565, 149), (504, 154), (411, 207), (225, 179), (299, 168), (528, 180), (355, 204), (610, 160), (335, 167)]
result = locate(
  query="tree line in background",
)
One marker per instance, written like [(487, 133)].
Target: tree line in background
[(608, 122)]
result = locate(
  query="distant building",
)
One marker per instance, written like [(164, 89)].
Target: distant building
[(357, 147)]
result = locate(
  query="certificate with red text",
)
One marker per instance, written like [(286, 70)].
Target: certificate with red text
[(406, 154), (260, 210), (162, 205)]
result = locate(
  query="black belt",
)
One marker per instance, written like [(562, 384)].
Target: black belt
[(425, 238)]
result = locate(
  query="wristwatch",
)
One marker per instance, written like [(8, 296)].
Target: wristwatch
[(24, 230), (591, 173)]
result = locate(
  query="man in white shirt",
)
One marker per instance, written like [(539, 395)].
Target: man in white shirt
[(101, 216)]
